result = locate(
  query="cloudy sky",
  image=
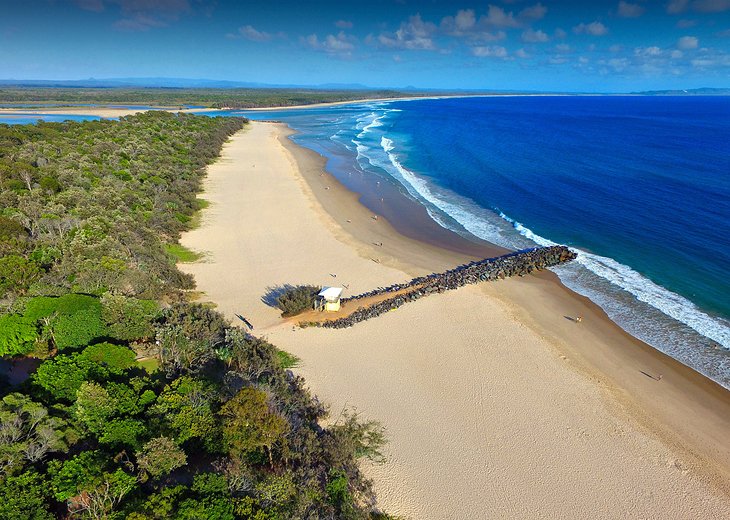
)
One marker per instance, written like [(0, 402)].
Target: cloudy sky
[(588, 46)]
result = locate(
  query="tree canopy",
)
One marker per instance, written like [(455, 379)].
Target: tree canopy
[(223, 430)]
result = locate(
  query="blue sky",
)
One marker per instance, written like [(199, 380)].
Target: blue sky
[(589, 46)]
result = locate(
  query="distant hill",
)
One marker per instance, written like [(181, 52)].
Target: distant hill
[(161, 83), (169, 83), (688, 92)]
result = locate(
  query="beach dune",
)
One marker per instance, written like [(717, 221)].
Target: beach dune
[(494, 404)]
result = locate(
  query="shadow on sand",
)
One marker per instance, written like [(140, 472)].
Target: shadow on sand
[(273, 292)]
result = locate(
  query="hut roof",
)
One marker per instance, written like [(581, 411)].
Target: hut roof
[(331, 294)]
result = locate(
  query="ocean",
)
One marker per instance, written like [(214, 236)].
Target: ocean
[(638, 186)]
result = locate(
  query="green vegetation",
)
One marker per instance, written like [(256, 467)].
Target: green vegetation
[(294, 300), (124, 188), (209, 97), (182, 254), (150, 365), (210, 425), (287, 360), (200, 205)]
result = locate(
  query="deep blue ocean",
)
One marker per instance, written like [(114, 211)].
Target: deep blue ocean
[(639, 186)]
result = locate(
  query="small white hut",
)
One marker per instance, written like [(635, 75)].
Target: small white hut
[(329, 299)]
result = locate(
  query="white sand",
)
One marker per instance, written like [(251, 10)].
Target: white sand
[(486, 417)]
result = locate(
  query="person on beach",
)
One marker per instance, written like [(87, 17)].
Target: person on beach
[(579, 319)]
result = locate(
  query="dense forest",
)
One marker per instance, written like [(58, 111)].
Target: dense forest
[(174, 97), (122, 398)]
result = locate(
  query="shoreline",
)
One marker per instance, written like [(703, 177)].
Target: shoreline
[(107, 111), (702, 391), (486, 387)]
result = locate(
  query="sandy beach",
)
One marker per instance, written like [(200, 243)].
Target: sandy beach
[(495, 405)]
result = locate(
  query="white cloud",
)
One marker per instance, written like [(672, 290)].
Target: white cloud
[(627, 10), (703, 6), (618, 64), (339, 45), (138, 22), (343, 24), (248, 32), (677, 6), (494, 51), (647, 51), (685, 24), (703, 63), (563, 48), (560, 34), (615, 48), (532, 36), (498, 17), (140, 15), (414, 34), (465, 19), (535, 12), (91, 5), (465, 24), (675, 54), (711, 6), (521, 53), (593, 28), (688, 42), (461, 24)]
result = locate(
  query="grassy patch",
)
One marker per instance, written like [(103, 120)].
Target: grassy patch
[(182, 253), (197, 217), (287, 360), (151, 365)]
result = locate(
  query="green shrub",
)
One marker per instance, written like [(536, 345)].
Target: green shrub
[(295, 300), (45, 306), (17, 273), (10, 229), (286, 360), (50, 184), (182, 254), (129, 319), (114, 358), (17, 335), (77, 329), (62, 376)]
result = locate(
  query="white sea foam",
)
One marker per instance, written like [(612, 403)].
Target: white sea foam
[(361, 150), (643, 289), (373, 120), (460, 212), (467, 214)]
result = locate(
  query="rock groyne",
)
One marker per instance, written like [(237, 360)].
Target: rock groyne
[(519, 263)]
